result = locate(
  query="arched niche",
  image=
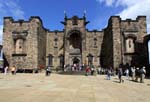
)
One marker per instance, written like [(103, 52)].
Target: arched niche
[(75, 40), (130, 43)]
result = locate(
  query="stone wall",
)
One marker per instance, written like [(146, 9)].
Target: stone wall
[(138, 29), (41, 32), (28, 59), (94, 41), (107, 48), (55, 46)]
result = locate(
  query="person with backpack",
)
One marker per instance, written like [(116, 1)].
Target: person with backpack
[(137, 74), (48, 71), (108, 74)]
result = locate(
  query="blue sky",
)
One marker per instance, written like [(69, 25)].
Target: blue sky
[(52, 11)]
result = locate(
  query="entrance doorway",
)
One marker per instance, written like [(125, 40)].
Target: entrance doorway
[(76, 60)]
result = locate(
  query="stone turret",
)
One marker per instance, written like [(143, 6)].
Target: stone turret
[(21, 44)]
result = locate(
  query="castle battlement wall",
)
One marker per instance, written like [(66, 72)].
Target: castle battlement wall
[(28, 45)]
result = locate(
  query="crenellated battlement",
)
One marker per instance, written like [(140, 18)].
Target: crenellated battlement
[(20, 21)]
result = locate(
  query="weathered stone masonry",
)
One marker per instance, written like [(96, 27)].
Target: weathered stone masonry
[(28, 45)]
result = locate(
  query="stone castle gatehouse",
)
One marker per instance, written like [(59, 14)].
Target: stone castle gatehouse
[(27, 44)]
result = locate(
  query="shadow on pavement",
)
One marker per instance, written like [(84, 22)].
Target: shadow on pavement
[(116, 81), (72, 73)]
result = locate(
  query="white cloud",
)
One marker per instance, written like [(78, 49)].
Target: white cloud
[(107, 2), (9, 8), (126, 3), (136, 8), (132, 8)]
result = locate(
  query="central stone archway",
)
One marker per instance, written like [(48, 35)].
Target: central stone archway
[(73, 52), (75, 39), (75, 60)]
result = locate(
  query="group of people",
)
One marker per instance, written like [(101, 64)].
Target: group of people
[(12, 69), (90, 71), (135, 73), (74, 67)]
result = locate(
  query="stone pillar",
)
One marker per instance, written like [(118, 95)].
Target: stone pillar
[(66, 47)]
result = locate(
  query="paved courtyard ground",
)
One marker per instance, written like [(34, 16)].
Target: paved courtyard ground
[(70, 88)]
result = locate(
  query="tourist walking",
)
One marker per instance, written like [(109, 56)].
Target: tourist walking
[(87, 70), (142, 74), (108, 74), (133, 73), (99, 70), (127, 73), (120, 73), (137, 74), (5, 70), (48, 71)]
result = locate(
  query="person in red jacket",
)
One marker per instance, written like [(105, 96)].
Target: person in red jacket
[(87, 70)]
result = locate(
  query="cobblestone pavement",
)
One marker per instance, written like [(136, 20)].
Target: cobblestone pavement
[(70, 88)]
